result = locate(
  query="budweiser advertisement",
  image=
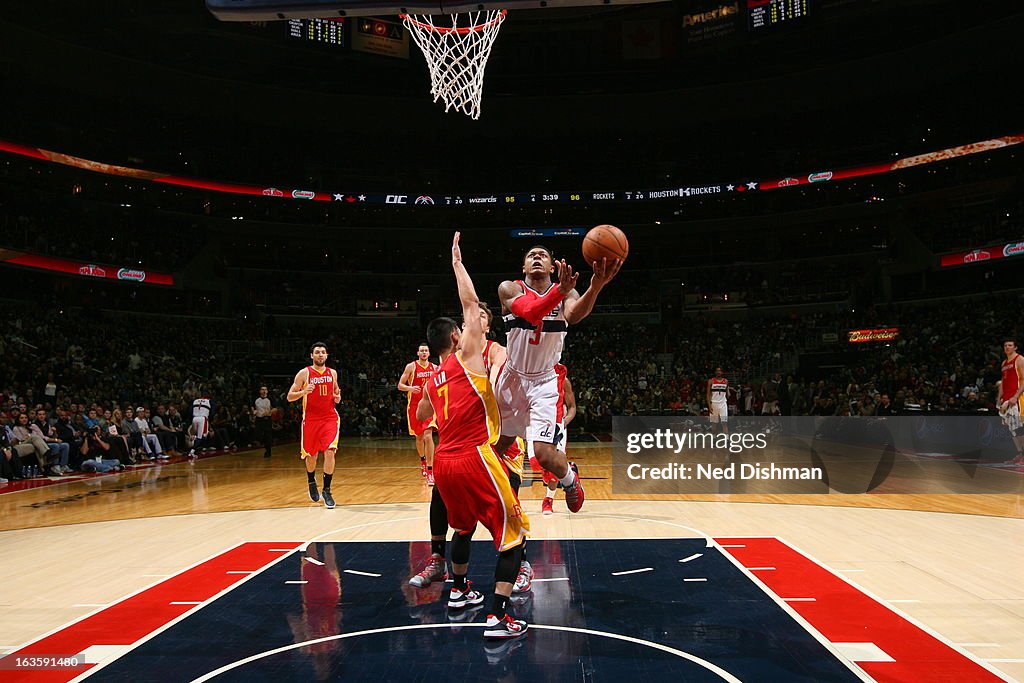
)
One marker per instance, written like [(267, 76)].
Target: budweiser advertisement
[(961, 258), (873, 335), (100, 271)]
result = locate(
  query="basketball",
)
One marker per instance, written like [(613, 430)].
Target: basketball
[(605, 241)]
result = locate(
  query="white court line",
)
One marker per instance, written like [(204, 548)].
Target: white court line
[(694, 579), (633, 571), (692, 557), (314, 561), (800, 599), (297, 582), (761, 569), (556, 578), (930, 631), (188, 613), (722, 673), (359, 573), (184, 603)]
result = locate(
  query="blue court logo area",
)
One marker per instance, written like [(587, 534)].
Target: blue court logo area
[(599, 610)]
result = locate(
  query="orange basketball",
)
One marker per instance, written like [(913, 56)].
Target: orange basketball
[(605, 241)]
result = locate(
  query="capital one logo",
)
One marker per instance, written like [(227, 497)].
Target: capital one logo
[(396, 199)]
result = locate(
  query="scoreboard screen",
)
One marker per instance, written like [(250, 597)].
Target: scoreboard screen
[(328, 31), (762, 14)]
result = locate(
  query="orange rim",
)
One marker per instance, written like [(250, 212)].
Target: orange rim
[(462, 30)]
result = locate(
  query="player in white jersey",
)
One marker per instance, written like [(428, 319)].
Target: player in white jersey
[(718, 400), (201, 410), (537, 314)]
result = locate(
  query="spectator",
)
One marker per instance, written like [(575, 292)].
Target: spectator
[(26, 432), (261, 411), (150, 442), (164, 434)]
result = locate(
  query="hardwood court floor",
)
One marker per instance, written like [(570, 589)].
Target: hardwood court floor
[(951, 561)]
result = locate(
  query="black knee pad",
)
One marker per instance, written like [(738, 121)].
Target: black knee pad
[(508, 564), (461, 544), (438, 515)]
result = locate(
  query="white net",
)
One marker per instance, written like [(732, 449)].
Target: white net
[(456, 54)]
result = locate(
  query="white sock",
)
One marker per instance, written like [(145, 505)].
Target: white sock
[(569, 479), (548, 493)]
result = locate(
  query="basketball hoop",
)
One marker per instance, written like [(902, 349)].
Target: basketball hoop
[(457, 55)]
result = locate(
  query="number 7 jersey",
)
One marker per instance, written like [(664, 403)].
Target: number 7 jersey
[(464, 407)]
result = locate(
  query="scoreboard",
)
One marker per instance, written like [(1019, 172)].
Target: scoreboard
[(327, 31), (763, 14)]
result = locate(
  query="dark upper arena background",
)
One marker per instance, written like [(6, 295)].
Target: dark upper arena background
[(574, 100)]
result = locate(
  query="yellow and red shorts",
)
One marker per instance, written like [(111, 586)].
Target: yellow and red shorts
[(474, 486), (319, 436)]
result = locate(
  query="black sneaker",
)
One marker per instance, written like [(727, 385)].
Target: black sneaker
[(505, 627), (314, 494), (458, 599), (328, 499)]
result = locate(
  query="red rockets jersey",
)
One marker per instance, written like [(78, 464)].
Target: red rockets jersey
[(464, 407), (319, 405), (420, 376), (1010, 381)]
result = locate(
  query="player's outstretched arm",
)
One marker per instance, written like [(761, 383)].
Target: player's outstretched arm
[(579, 307), (473, 333), (301, 386)]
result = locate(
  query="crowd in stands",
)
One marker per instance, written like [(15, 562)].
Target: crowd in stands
[(67, 378)]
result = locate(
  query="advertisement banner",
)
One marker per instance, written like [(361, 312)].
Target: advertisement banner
[(872, 335), (101, 271), (961, 258)]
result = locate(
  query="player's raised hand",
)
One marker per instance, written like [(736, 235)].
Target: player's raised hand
[(456, 250), (604, 271), (566, 278)]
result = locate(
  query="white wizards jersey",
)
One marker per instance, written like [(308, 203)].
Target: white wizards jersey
[(201, 407), (534, 349)]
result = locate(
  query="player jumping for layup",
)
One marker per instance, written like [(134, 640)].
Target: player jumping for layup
[(317, 386), (412, 380), (471, 478), (1011, 390), (537, 314)]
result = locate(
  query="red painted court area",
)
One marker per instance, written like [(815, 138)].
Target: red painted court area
[(845, 614), (132, 619)]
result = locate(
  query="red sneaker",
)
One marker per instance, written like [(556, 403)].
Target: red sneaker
[(547, 507), (574, 495), (423, 469), (430, 478)]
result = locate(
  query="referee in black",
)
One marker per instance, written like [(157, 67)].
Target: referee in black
[(264, 429)]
